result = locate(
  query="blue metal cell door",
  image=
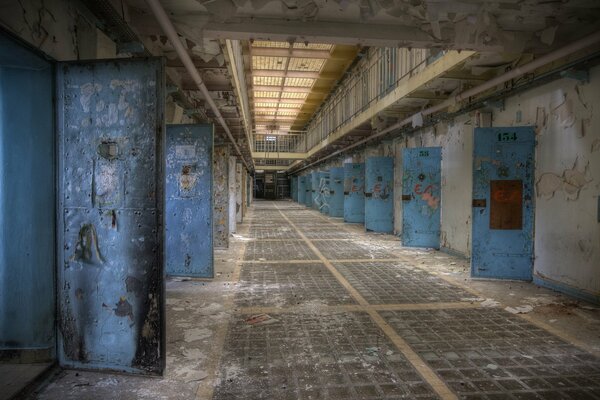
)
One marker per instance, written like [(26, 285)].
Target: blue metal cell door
[(421, 196), (336, 192), (379, 190), (308, 196), (188, 228), (301, 189), (294, 188), (354, 192), (111, 201), (315, 187), (503, 208), (27, 193), (324, 192)]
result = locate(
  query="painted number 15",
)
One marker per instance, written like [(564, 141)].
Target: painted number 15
[(507, 137)]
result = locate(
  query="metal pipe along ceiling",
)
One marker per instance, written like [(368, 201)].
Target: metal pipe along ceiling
[(529, 67), (169, 30)]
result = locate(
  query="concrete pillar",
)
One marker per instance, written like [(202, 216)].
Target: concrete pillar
[(232, 194), (239, 216), (221, 197)]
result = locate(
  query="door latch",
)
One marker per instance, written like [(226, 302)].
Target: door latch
[(479, 203), (406, 197)]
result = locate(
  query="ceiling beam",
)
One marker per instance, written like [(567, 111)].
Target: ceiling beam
[(284, 30), (278, 156), (289, 89), (271, 119), (296, 53), (290, 101)]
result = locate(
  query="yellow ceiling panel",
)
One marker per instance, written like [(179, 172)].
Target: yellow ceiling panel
[(267, 80), (299, 82), (261, 93), (306, 64), (273, 63), (293, 95), (266, 105), (267, 113), (289, 105), (287, 113)]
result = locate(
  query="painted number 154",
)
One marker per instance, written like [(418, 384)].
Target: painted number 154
[(507, 137)]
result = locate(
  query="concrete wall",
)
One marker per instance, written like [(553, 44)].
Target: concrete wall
[(221, 196)]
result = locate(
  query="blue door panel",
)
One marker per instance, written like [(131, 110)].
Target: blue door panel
[(354, 192), (111, 179), (315, 187), (189, 249), (324, 192), (503, 208), (294, 188), (308, 198), (302, 190), (27, 194), (421, 196), (379, 190), (336, 192)]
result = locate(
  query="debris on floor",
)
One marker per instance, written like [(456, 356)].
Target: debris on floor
[(260, 319), (520, 309)]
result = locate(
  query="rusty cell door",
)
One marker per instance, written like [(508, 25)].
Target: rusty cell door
[(189, 204), (503, 208), (421, 195), (110, 215)]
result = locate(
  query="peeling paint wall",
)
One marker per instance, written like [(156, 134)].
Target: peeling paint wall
[(567, 231), (63, 29), (221, 197)]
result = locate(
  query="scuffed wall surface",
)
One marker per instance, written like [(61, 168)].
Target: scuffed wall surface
[(567, 232), (221, 197), (63, 29)]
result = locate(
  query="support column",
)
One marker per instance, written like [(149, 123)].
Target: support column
[(221, 197)]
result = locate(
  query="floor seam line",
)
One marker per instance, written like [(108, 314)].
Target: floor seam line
[(202, 391)]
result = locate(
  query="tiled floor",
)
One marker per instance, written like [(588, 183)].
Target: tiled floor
[(394, 283), (410, 335), (353, 316)]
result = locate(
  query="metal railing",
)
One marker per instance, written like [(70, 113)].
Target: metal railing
[(279, 143), (377, 74)]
